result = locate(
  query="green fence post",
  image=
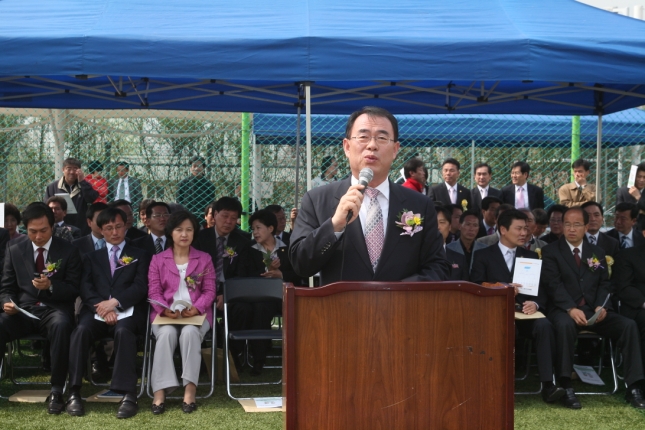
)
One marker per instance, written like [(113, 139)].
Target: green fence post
[(246, 168), (575, 141)]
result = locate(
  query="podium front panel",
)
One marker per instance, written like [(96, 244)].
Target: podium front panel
[(398, 356)]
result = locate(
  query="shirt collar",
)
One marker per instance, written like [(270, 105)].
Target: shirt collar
[(628, 235), (450, 187), (46, 246), (109, 246), (217, 235), (571, 247), (61, 223), (154, 238), (486, 226), (596, 236), (483, 189), (577, 184), (524, 188), (383, 187), (278, 244), (505, 248)]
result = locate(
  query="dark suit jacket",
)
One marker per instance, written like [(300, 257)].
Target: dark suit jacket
[(536, 195), (567, 284), (629, 273), (549, 238), (207, 242), (134, 187), (19, 268), (76, 232), (85, 244), (315, 248), (607, 243), (129, 284), (4, 240), (622, 196), (637, 236), (477, 197), (147, 243), (459, 266), (82, 200), (439, 193), (251, 264), (286, 238), (489, 266), (134, 233)]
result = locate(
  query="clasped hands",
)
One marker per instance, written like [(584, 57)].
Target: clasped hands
[(579, 317), (107, 310), (186, 313)]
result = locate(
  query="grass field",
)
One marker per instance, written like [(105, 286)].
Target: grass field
[(220, 412)]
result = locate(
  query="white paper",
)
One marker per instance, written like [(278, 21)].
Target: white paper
[(2, 215), (592, 320), (268, 402), (632, 176), (154, 302), (119, 315), (19, 309), (174, 305), (71, 209), (527, 274), (588, 375)]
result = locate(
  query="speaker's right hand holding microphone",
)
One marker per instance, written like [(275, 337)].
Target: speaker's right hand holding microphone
[(350, 202)]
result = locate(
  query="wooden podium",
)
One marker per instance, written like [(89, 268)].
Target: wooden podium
[(373, 355)]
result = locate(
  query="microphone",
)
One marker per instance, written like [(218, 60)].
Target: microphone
[(364, 177)]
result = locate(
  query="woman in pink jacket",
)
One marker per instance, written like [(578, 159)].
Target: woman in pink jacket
[(180, 274)]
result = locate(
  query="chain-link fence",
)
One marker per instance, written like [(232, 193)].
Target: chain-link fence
[(260, 151)]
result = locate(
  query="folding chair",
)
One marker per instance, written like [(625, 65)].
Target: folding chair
[(15, 347), (528, 350), (604, 342), (248, 290), (150, 354)]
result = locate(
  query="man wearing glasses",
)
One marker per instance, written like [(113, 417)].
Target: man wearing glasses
[(574, 272), (347, 235), (157, 215)]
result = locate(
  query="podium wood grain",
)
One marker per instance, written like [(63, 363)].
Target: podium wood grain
[(398, 356)]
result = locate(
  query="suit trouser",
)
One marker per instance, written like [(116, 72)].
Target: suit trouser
[(124, 333), (613, 326), (541, 331), (253, 316), (639, 317), (190, 339), (55, 325)]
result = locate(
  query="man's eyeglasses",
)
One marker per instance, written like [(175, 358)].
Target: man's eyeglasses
[(568, 225), (157, 216), (381, 139)]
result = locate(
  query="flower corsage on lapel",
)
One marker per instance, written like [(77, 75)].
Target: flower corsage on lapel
[(52, 268), (594, 263), (195, 279), (610, 262), (125, 260), (409, 222), (464, 204), (229, 253), (538, 251)]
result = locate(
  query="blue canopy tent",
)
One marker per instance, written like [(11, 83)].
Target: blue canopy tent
[(328, 56)]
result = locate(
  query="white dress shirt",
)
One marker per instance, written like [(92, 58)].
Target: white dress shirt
[(571, 247), (508, 258), (483, 191), (45, 253), (123, 182), (629, 241), (108, 248), (182, 292), (452, 192), (383, 200), (525, 192)]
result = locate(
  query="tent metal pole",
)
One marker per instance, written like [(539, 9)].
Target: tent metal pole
[(245, 168), (295, 199), (257, 173), (308, 131), (575, 141), (472, 164), (598, 159)]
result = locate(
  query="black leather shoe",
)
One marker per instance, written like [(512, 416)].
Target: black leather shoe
[(570, 400), (552, 393), (55, 403), (158, 409), (128, 407), (189, 407), (635, 398), (257, 368), (74, 405)]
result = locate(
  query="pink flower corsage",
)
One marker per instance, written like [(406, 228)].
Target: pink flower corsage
[(410, 223)]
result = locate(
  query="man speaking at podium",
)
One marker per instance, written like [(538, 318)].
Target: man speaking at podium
[(384, 232)]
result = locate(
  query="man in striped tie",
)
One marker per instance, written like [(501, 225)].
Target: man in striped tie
[(347, 235)]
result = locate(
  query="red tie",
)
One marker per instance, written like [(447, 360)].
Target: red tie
[(576, 256), (40, 261)]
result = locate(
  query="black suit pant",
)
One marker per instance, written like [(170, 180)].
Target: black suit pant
[(54, 324), (613, 326), (541, 331), (124, 333), (252, 316), (638, 315)]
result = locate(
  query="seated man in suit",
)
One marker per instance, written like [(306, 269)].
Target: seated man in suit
[(492, 239), (157, 214), (496, 263), (466, 244), (575, 276), (94, 240), (532, 243), (634, 193), (596, 237), (520, 193), (42, 276), (578, 192), (459, 266), (488, 223), (555, 214), (132, 232), (625, 231), (282, 223), (630, 282), (483, 176), (450, 192), (114, 289), (58, 205)]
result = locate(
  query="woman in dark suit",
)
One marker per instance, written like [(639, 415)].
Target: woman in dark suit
[(180, 274), (265, 256)]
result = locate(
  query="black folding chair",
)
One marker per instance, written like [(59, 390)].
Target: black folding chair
[(249, 290)]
